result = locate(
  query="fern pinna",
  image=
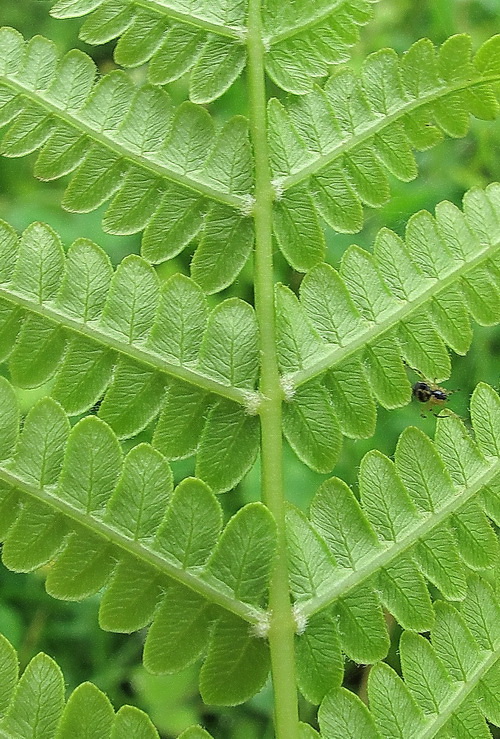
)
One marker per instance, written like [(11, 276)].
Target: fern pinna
[(122, 352)]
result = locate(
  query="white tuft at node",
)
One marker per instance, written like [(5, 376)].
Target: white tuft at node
[(261, 627), (246, 208), (288, 387), (278, 188), (241, 32), (300, 620), (252, 403)]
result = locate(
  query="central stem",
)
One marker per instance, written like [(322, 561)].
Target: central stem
[(282, 627)]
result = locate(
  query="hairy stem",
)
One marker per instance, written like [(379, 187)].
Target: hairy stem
[(282, 629)]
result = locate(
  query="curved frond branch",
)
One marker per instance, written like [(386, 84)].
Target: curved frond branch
[(402, 284), (449, 682), (132, 350), (138, 550), (88, 510), (309, 18), (173, 13), (168, 171), (165, 331), (304, 40), (352, 337), (342, 584), (114, 524), (333, 148), (333, 357), (205, 39), (202, 17), (423, 516), (143, 160), (127, 350), (375, 127), (462, 694)]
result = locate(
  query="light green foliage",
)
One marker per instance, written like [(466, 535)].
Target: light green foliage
[(106, 522), (354, 329), (116, 140), (433, 525), (33, 705), (129, 340), (134, 366), (236, 666), (447, 682), (210, 45)]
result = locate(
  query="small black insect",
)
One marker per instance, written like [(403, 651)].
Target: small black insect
[(431, 394)]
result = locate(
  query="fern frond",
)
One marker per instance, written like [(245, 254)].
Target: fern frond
[(140, 348), (422, 517), (450, 683), (33, 704), (402, 304), (331, 149), (100, 521), (305, 39), (166, 170), (175, 37), (208, 40)]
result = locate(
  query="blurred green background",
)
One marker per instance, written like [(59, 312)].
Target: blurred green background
[(69, 632)]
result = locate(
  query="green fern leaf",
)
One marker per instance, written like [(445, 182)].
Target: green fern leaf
[(320, 335), (125, 335), (86, 700), (310, 562), (306, 40), (38, 700), (131, 598), (311, 427), (228, 446), (343, 714), (195, 732), (362, 628), (230, 675), (177, 433), (34, 705), (133, 399), (191, 526), (404, 593), (319, 658), (248, 539), (107, 524), (347, 532), (339, 142), (396, 502), (133, 146), (83, 567), (402, 713), (446, 688), (9, 419), (206, 40), (179, 633)]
